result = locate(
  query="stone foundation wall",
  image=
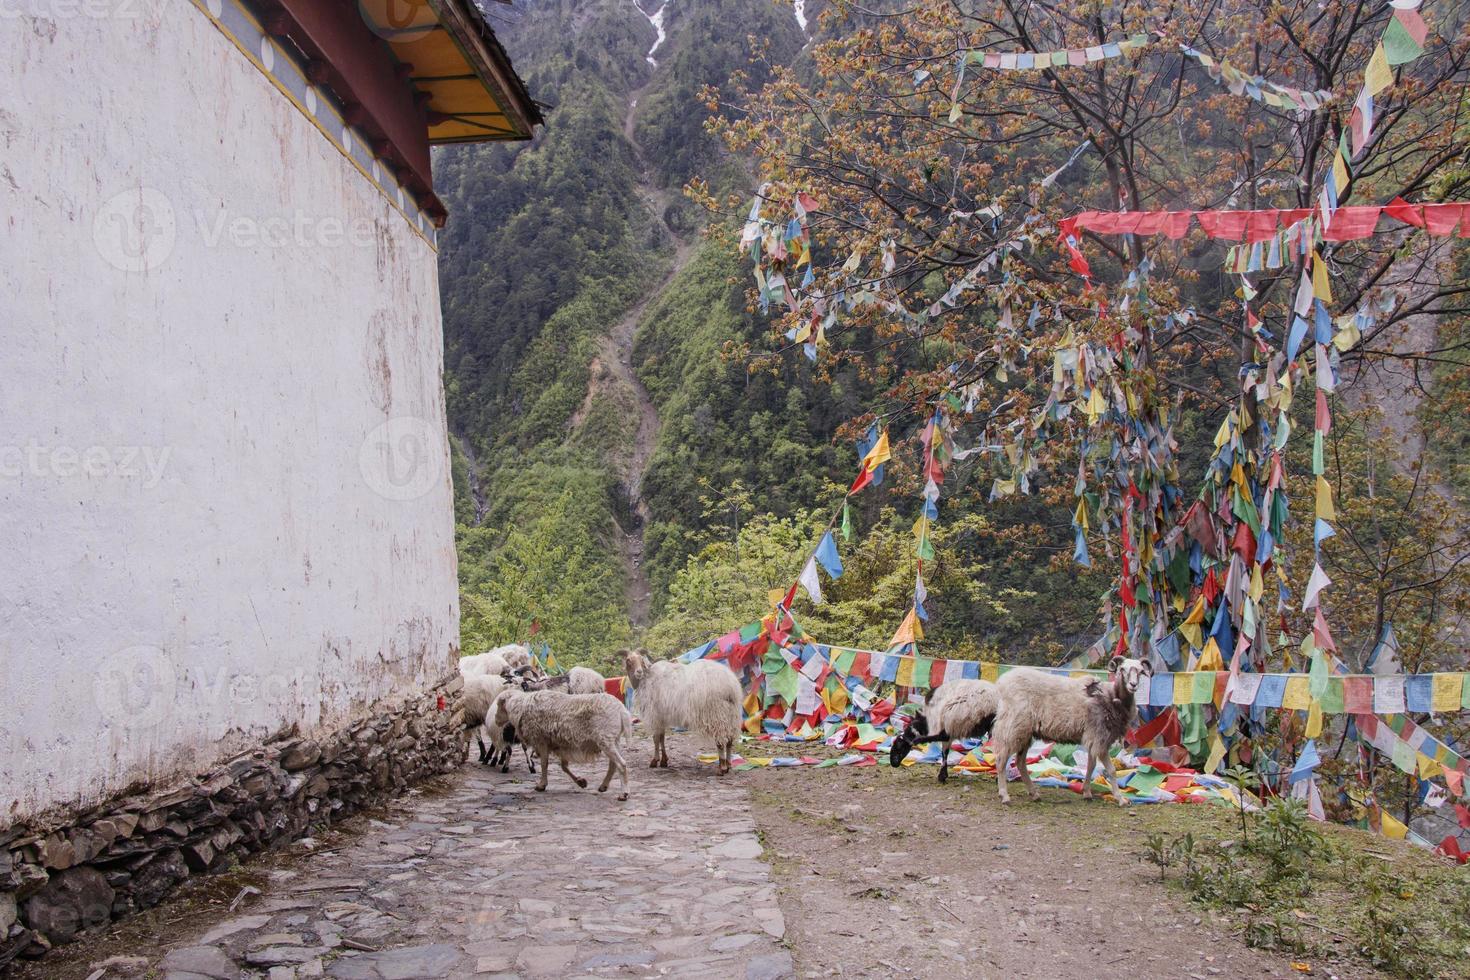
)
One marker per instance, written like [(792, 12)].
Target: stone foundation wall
[(84, 871)]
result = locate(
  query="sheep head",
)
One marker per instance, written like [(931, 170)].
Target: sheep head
[(904, 741), (636, 664), (501, 709), (1129, 673)]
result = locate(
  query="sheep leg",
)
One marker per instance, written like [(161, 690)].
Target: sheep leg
[(944, 744), (1087, 776), (484, 752), (545, 755), (1025, 771), (581, 783), (724, 750), (612, 767), (1002, 760), (1112, 777), (622, 772)]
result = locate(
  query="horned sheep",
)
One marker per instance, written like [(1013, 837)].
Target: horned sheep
[(1035, 704), (958, 709), (703, 696), (578, 680), (573, 727)]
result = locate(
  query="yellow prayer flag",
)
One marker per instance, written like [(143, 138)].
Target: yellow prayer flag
[(1258, 587), (1378, 75), (1297, 696), (879, 454), (1321, 288), (1314, 720), (1080, 518), (1183, 687), (1429, 768), (989, 672), (909, 631), (1210, 658), (1446, 696), (1217, 752), (775, 596), (905, 676), (1339, 170), (1392, 828), (1324, 501)]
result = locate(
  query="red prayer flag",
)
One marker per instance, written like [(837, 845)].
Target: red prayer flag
[(1402, 210), (1223, 224), (1352, 223), (1260, 225)]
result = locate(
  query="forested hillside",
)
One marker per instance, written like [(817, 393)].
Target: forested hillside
[(632, 460), (574, 263)]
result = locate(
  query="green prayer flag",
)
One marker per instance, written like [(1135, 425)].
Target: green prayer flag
[(842, 660), (1193, 728), (750, 632), (773, 662), (1319, 461), (1399, 45), (1204, 687), (783, 683), (1145, 780), (1318, 674), (926, 549), (922, 666), (1331, 697), (1465, 695), (846, 522)]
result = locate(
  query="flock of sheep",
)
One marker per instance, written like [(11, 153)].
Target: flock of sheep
[(509, 699)]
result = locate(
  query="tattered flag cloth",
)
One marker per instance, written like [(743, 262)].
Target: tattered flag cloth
[(1348, 223)]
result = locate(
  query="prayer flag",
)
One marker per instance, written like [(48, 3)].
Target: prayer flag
[(827, 555)]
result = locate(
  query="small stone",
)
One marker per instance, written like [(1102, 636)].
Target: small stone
[(232, 926), (727, 944), (8, 913), (282, 955), (773, 966), (637, 957), (121, 965), (204, 961)]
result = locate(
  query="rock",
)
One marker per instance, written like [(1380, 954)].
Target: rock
[(57, 853), (727, 944), (743, 846), (232, 926), (31, 878), (283, 955), (205, 961), (8, 913), (76, 899), (404, 963), (199, 855), (773, 966), (121, 965), (637, 957), (156, 878)]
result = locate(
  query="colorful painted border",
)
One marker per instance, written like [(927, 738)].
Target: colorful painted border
[(319, 107)]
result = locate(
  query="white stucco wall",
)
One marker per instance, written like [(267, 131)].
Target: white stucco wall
[(225, 501)]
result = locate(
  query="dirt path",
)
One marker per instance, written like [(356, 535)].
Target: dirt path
[(886, 874), (617, 354)]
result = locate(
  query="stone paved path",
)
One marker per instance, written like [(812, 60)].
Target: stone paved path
[(487, 878)]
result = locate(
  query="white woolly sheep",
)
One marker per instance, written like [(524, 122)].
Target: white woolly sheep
[(483, 664), (578, 680), (703, 696), (480, 692), (957, 709), (516, 655), (573, 727), (1035, 704)]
